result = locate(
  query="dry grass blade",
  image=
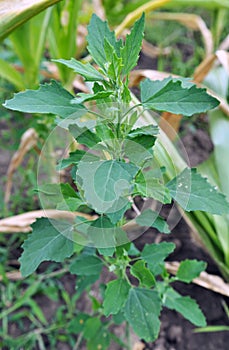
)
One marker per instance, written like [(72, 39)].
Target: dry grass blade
[(139, 74), (191, 21), (212, 282), (22, 222), (81, 39), (12, 276), (203, 69), (154, 51), (170, 124), (223, 58), (98, 9), (224, 44), (133, 16), (28, 141)]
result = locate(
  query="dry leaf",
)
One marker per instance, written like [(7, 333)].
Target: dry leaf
[(28, 141), (22, 222)]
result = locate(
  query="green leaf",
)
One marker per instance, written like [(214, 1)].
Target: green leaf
[(118, 209), (114, 63), (84, 282), (77, 323), (186, 306), (132, 47), (75, 158), (143, 274), (105, 182), (104, 132), (190, 269), (155, 254), (113, 177), (86, 70), (51, 195), (97, 336), (138, 150), (170, 96), (49, 98), (150, 130), (139, 143), (151, 218), (119, 318), (48, 241), (92, 326), (98, 30), (115, 296), (102, 233), (193, 192), (84, 135), (8, 72), (142, 311), (82, 97), (148, 186), (106, 251), (86, 265), (71, 204), (150, 88), (19, 12)]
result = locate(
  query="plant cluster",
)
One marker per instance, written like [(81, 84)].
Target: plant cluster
[(114, 164)]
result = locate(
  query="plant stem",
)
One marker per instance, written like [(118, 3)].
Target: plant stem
[(128, 336), (77, 344)]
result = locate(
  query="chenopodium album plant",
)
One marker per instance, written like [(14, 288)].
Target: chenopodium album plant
[(113, 163)]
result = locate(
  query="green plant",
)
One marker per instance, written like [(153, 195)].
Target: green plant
[(116, 163)]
